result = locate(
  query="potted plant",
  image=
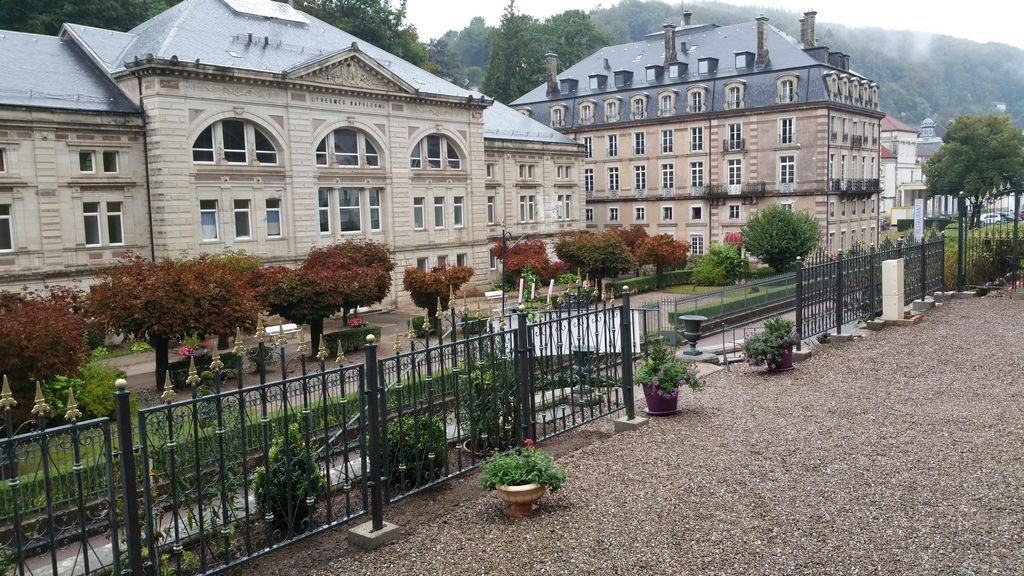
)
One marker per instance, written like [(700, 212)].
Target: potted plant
[(661, 376), (773, 346), (521, 477)]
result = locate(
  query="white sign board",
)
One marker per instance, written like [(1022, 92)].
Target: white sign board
[(919, 219)]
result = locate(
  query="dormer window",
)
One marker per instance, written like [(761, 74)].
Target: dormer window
[(666, 104), (677, 70), (638, 107), (623, 78), (743, 60), (587, 113), (786, 89), (597, 81), (707, 65), (734, 95), (653, 73), (557, 116), (611, 110), (434, 152), (695, 98), (567, 85), (525, 112)]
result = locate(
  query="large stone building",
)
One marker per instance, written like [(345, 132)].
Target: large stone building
[(249, 125), (690, 130), (904, 152)]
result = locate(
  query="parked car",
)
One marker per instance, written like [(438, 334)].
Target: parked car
[(1007, 216), (990, 218)]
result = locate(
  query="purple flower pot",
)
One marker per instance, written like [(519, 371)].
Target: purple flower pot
[(784, 363), (659, 404)]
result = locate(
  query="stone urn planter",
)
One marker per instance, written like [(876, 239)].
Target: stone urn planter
[(521, 498)]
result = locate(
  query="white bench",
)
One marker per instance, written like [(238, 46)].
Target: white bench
[(493, 294), (288, 329)]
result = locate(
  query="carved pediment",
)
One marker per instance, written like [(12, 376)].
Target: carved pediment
[(352, 72)]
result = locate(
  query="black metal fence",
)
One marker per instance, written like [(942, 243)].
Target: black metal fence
[(832, 290), (732, 305), (238, 469), (987, 254)]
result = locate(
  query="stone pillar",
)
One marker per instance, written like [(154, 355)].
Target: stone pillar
[(892, 289)]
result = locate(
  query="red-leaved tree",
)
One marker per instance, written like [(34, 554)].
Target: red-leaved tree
[(634, 238), (172, 299), (664, 252), (427, 288), (43, 336), (532, 255)]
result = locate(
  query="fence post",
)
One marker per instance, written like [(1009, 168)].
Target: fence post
[(129, 482), (924, 269), (799, 301), (838, 298), (376, 532), (961, 243), (1016, 234), (626, 334), (523, 388), (872, 273)]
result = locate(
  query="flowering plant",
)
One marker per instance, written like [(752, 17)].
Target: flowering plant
[(356, 321), (767, 347), (663, 375), (526, 465)]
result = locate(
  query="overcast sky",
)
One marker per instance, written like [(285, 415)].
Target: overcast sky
[(978, 20)]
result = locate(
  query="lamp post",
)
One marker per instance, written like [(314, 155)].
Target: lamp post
[(505, 237), (1014, 186)]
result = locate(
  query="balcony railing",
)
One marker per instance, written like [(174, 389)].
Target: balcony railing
[(858, 141), (734, 144), (855, 185), (590, 194), (698, 190), (735, 189), (786, 139), (668, 192), (846, 137), (722, 190), (613, 194), (641, 192), (787, 187), (755, 188)]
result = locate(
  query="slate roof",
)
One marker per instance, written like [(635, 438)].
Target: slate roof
[(50, 72), (504, 123), (216, 34), (703, 41)]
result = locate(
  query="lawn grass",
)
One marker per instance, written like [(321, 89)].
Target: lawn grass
[(689, 289)]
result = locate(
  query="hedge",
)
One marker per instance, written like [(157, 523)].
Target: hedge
[(351, 339), (179, 368), (641, 284)]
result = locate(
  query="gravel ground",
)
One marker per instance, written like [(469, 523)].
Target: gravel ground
[(899, 453)]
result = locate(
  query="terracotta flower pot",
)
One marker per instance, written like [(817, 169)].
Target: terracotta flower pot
[(521, 498)]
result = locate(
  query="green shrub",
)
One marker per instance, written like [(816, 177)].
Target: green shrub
[(179, 368), (350, 339), (677, 277), (762, 272), (708, 275), (140, 346), (904, 224), (566, 278), (641, 284), (288, 493), (487, 398), (417, 449), (721, 266), (416, 324), (96, 394), (475, 324), (522, 466)]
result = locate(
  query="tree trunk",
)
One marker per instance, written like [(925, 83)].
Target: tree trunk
[(222, 342), (657, 277), (316, 332), (160, 345)]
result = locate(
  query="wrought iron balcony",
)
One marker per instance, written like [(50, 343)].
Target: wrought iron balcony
[(857, 186), (732, 190), (668, 192), (858, 141), (641, 192), (734, 144)]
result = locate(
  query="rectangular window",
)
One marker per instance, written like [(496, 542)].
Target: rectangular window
[(842, 166), (243, 228), (324, 209), (6, 228), (639, 213), (115, 224), (588, 179), (613, 214), (460, 259), (696, 138), (787, 205), (421, 263), (668, 176), (346, 148), (786, 131), (787, 169), (734, 211), (490, 170), (588, 147), (208, 219), (832, 209), (640, 178), (321, 153), (842, 239), (696, 212), (666, 213), (666, 141), (696, 244), (588, 214), (490, 210), (831, 165), (3, 162), (613, 179), (735, 172), (375, 223), (87, 161), (433, 151), (438, 211), (457, 220), (831, 241), (842, 208), (526, 207), (613, 145), (526, 171), (91, 215), (696, 174), (564, 206), (348, 210), (639, 143), (735, 136), (273, 217), (110, 161), (442, 261), (233, 133), (493, 262), (417, 213)]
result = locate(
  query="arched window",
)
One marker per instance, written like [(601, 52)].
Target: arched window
[(695, 98), (666, 104), (638, 107), (233, 138), (435, 152), (347, 148), (734, 96), (786, 90), (611, 110), (586, 113), (557, 116)]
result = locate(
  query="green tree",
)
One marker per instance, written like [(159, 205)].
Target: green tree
[(47, 16), (777, 236), (602, 255), (517, 57), (374, 21), (572, 36), (979, 153), (721, 266), (472, 44)]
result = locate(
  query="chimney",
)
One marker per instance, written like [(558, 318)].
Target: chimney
[(803, 31), (670, 44), (552, 63), (686, 17), (762, 41), (808, 38)]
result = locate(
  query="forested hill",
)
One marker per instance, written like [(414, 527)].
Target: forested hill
[(920, 75)]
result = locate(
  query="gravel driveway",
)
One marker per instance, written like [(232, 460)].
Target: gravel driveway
[(900, 453)]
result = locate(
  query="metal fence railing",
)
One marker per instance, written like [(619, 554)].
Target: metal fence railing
[(733, 304)]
